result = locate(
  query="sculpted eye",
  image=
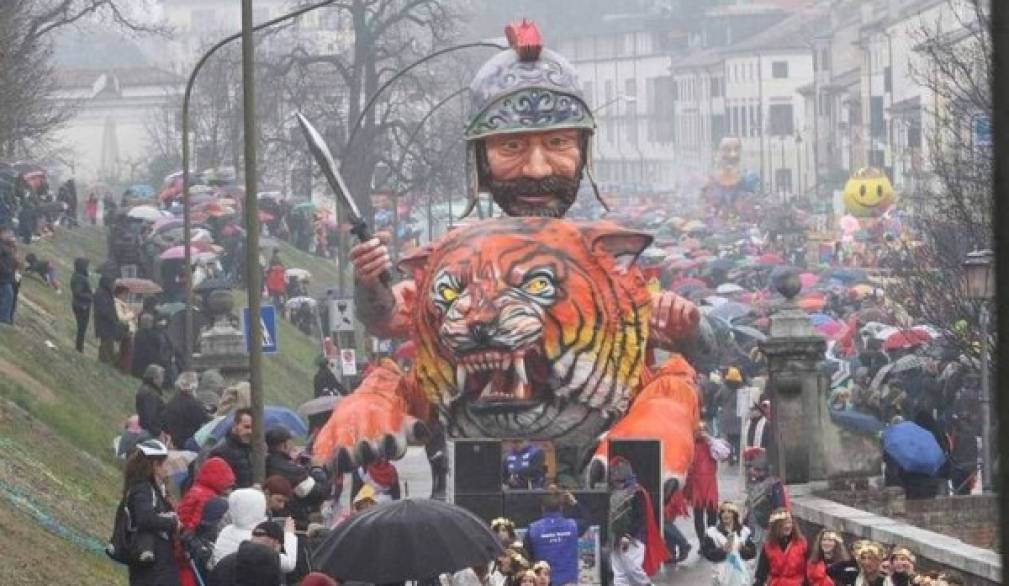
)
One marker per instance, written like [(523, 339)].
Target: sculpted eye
[(540, 285), (447, 293)]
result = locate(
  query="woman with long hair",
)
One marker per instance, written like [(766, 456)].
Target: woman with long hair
[(829, 562), (783, 558), (152, 515), (726, 545)]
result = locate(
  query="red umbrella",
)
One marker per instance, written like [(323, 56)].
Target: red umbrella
[(139, 286), (687, 282), (808, 280), (265, 216), (812, 303), (770, 259), (906, 339)]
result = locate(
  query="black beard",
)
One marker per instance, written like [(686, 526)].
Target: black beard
[(563, 190)]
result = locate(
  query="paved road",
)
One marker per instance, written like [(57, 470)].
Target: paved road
[(416, 478)]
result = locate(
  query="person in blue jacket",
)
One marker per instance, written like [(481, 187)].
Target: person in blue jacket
[(554, 538), (525, 467)]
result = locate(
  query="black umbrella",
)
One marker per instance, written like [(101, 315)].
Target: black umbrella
[(406, 540), (214, 284)]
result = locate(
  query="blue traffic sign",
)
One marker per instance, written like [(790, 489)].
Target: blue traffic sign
[(268, 327)]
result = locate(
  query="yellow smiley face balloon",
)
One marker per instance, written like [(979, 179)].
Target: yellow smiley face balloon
[(868, 193)]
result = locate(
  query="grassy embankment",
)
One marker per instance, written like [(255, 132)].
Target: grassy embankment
[(59, 411)]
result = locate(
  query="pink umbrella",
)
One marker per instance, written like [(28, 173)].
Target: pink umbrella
[(808, 280), (831, 328), (179, 252), (770, 259)]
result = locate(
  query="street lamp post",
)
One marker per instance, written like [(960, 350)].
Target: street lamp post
[(979, 268), (186, 216)]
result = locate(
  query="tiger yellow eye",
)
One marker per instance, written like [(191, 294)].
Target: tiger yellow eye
[(537, 286), (448, 294)]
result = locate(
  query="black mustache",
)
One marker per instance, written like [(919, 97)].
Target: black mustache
[(561, 186)]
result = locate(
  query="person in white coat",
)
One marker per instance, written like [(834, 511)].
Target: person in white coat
[(246, 509), (727, 545)]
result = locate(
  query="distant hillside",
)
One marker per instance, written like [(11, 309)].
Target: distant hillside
[(59, 411)]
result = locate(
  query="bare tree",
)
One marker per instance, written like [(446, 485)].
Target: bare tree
[(953, 214), (27, 76)]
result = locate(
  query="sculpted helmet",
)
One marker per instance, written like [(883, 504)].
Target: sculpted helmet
[(525, 88)]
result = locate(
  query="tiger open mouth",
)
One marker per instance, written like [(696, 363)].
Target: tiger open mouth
[(502, 380)]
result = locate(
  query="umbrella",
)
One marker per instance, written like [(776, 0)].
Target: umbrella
[(846, 274), (146, 213), (729, 289), (265, 216), (300, 274), (694, 226), (819, 319), (323, 404), (406, 540), (213, 285), (170, 309), (139, 286), (861, 290), (201, 235), (304, 207), (177, 465), (812, 303), (687, 281), (749, 332), (913, 448), (174, 253), (808, 280), (770, 259), (166, 223), (903, 364), (296, 302), (730, 311), (857, 421), (722, 264), (715, 300), (274, 416), (830, 329), (906, 339)]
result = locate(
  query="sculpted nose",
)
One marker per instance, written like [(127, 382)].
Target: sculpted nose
[(480, 332)]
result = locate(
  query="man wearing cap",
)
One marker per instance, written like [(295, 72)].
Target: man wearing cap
[(869, 556)]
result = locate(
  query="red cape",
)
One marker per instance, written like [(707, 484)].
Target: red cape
[(655, 547)]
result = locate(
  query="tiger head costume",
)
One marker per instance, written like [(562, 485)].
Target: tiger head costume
[(531, 327)]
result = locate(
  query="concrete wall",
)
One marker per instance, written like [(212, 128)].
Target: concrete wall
[(979, 566)]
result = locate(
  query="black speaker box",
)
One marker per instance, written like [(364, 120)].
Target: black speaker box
[(487, 506), (645, 457), (476, 466)]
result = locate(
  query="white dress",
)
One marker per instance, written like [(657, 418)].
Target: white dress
[(732, 571)]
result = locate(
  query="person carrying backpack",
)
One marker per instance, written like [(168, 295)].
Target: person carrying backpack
[(152, 523)]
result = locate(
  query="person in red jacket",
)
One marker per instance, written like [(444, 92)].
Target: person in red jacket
[(214, 479), (783, 557), (702, 484), (276, 281)]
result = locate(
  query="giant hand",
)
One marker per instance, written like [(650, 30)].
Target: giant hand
[(673, 319), (377, 421), (666, 409)]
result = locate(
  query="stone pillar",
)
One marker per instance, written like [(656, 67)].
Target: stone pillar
[(794, 352)]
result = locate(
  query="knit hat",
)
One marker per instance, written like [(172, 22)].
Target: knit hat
[(733, 375), (269, 529), (276, 436), (755, 458), (214, 511), (257, 565), (277, 484)]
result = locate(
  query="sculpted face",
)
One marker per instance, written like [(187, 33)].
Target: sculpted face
[(529, 329), (729, 151), (534, 173)]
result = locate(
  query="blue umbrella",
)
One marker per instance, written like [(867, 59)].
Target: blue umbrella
[(913, 448), (856, 421), (847, 275), (274, 416), (820, 319)]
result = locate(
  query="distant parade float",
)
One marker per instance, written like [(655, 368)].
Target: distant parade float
[(868, 193)]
